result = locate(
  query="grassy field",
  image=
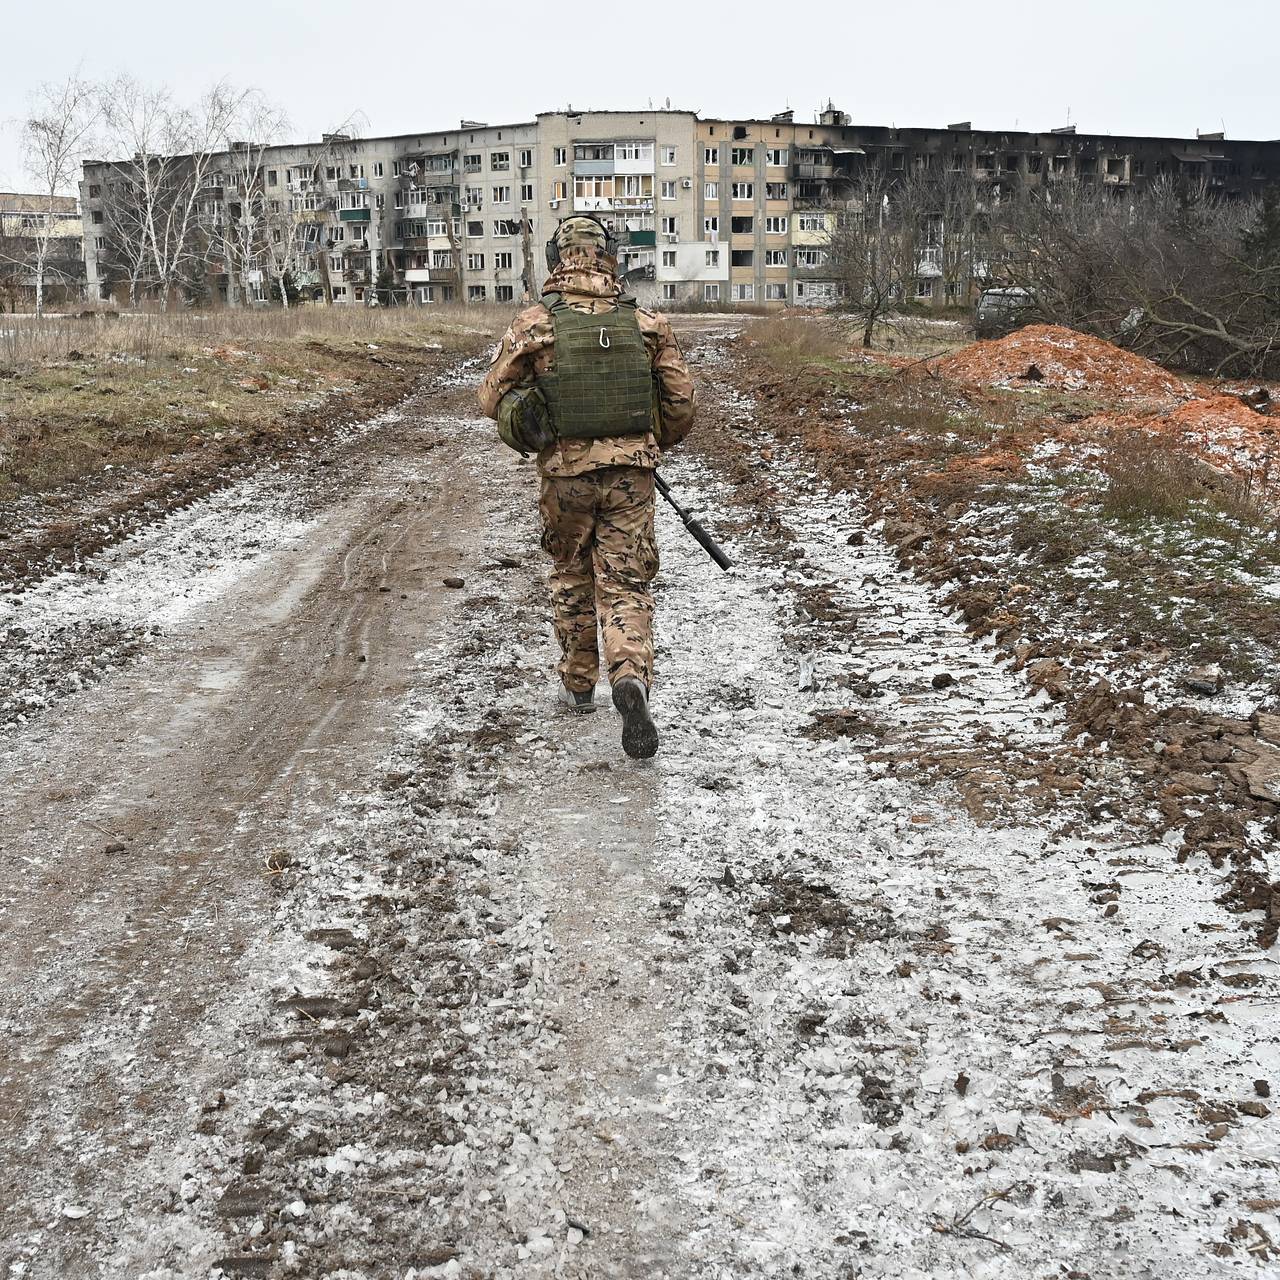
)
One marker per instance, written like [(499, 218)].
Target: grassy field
[(80, 395)]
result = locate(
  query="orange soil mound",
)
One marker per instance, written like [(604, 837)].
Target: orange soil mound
[(1217, 428), (1221, 413), (1066, 361)]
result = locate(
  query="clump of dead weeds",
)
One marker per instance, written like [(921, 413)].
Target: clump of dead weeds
[(792, 342), (1148, 480)]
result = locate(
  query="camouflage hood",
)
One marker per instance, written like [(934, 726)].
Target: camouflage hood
[(585, 270)]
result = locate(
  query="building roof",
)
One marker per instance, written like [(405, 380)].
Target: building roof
[(24, 202)]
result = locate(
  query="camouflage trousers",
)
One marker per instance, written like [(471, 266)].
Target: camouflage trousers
[(598, 530)]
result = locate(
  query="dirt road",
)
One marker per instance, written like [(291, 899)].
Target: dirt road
[(333, 949)]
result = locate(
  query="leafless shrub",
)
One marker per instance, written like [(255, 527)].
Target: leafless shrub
[(1147, 479)]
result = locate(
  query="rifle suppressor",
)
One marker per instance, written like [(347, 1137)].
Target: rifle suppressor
[(700, 535)]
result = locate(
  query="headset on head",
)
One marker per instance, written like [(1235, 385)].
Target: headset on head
[(610, 240)]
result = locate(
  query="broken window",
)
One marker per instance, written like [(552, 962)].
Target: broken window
[(744, 293), (711, 226), (743, 156), (475, 262), (775, 292), (526, 157), (711, 191), (476, 293), (501, 195), (559, 155), (776, 156), (502, 261), (475, 230), (775, 257), (744, 190), (668, 257), (668, 190), (711, 155), (775, 190), (668, 155), (742, 226), (500, 160), (504, 293), (471, 163), (742, 258), (775, 226), (713, 257), (1035, 162)]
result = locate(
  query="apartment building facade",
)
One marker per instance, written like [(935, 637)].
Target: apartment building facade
[(22, 218), (730, 213)]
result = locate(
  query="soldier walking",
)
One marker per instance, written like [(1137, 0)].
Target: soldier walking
[(597, 387)]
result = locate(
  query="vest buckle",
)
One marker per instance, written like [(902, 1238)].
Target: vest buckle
[(604, 338)]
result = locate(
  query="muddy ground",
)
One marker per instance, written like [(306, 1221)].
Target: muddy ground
[(334, 949)]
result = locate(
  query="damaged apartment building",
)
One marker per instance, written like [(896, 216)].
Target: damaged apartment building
[(22, 218), (708, 212)]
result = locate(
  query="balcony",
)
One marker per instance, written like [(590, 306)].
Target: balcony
[(813, 171), (431, 275), (593, 168), (353, 215), (642, 239)]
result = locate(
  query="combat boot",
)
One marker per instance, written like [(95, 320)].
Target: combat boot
[(579, 702), (639, 733)]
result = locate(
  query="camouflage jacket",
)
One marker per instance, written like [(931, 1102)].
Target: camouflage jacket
[(528, 349)]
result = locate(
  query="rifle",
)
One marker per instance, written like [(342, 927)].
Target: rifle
[(701, 536)]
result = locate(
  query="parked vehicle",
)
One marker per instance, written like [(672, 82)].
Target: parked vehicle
[(1001, 311)]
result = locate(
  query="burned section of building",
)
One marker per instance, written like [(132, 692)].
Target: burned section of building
[(708, 212)]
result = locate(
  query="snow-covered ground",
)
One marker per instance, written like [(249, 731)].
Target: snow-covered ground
[(773, 1004)]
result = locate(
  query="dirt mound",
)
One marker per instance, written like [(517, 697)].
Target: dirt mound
[(1221, 413), (1063, 360)]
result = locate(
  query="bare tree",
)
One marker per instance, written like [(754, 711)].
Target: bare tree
[(161, 192), (242, 238), (56, 136), (876, 249)]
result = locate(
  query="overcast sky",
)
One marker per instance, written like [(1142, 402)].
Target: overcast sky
[(1108, 66)]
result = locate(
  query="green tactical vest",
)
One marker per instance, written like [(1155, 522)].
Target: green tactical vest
[(602, 383)]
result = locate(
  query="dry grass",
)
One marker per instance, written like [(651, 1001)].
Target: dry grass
[(792, 341), (1149, 479), (77, 396), (142, 335)]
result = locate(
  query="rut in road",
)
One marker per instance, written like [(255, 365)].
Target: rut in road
[(774, 1004)]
